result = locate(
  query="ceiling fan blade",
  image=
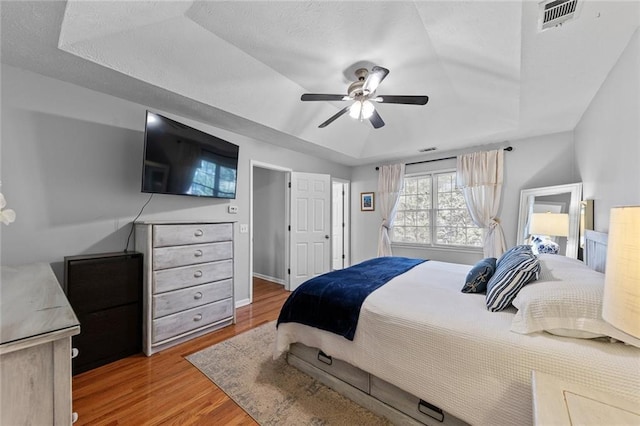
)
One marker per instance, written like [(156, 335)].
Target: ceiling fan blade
[(323, 97), (402, 99), (376, 120), (374, 78), (334, 117)]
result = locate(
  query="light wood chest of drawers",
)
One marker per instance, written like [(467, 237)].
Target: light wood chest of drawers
[(188, 280)]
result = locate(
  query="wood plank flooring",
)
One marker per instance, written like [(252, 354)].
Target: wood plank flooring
[(165, 388)]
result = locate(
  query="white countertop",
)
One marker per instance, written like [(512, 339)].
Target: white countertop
[(32, 304)]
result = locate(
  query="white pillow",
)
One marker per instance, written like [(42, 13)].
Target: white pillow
[(565, 301), (566, 308)]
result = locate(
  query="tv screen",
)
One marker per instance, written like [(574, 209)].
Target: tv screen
[(181, 160)]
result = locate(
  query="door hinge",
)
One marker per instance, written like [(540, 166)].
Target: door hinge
[(289, 184), (289, 271), (289, 228), (344, 257)]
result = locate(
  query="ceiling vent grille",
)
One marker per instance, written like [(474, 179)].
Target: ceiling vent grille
[(554, 13)]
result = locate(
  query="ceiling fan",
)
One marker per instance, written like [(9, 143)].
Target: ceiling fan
[(363, 95)]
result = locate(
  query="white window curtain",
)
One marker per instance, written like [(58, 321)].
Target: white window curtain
[(479, 175), (390, 182)]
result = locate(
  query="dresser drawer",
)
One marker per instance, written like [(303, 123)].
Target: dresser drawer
[(173, 235), (171, 257), (188, 276), (179, 300), (185, 321)]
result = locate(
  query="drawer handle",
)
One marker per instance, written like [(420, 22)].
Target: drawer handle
[(197, 296), (198, 233), (322, 357), (197, 274), (198, 253), (197, 318)]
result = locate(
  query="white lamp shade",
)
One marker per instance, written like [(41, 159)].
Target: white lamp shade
[(364, 108), (551, 224), (621, 303)]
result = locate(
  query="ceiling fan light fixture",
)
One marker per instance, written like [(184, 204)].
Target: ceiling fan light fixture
[(361, 110), (362, 94)]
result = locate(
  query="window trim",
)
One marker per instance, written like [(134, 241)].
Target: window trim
[(432, 218)]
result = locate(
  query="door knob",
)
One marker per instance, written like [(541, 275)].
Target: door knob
[(326, 237)]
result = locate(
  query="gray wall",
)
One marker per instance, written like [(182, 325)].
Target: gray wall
[(269, 228), (534, 162), (71, 167), (603, 152), (608, 139)]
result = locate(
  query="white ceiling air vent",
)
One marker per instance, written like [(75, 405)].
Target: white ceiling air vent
[(552, 13)]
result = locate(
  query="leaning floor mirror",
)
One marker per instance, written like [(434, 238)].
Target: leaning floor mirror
[(549, 218)]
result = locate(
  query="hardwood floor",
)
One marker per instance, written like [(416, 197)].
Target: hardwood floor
[(165, 388)]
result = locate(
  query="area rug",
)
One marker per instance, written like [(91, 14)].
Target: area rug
[(271, 391)]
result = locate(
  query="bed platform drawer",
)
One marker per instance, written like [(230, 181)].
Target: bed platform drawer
[(411, 405), (340, 369)]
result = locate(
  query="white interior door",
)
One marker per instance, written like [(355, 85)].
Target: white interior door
[(310, 250)]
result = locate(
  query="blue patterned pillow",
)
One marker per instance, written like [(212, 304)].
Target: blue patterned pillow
[(513, 272), (478, 276)]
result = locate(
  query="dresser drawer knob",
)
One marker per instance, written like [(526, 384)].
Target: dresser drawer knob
[(198, 253), (198, 233), (197, 318), (197, 296), (197, 274)]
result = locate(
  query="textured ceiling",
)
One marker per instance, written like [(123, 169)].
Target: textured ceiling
[(490, 74)]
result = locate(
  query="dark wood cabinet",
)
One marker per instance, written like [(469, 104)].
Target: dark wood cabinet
[(105, 291)]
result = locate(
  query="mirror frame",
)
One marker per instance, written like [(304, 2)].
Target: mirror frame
[(575, 189)]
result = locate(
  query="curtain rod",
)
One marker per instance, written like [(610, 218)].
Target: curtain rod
[(509, 148)]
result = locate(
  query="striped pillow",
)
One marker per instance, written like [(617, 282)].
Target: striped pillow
[(514, 270)]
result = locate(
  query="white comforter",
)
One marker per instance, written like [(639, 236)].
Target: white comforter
[(420, 333)]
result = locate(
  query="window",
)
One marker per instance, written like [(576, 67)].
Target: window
[(213, 179), (432, 211)]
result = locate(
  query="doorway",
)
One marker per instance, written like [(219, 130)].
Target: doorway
[(268, 221), (270, 217), (340, 229)]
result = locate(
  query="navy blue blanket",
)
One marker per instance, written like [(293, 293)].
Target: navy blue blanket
[(332, 301)]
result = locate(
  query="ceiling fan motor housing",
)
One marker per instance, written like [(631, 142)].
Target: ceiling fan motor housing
[(355, 89)]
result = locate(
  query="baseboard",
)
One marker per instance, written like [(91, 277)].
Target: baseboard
[(241, 303), (268, 278)]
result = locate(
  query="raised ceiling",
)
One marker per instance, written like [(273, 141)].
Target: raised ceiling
[(491, 75)]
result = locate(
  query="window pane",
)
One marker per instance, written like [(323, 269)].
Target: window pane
[(453, 225), (410, 186)]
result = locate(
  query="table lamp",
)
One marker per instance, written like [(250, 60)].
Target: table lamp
[(621, 302)]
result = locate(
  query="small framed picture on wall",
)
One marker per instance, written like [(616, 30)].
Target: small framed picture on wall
[(367, 201)]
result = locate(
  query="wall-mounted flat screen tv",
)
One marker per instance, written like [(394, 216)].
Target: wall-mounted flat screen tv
[(181, 160)]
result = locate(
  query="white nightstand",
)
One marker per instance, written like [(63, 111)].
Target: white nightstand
[(556, 402)]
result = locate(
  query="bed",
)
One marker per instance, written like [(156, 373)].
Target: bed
[(424, 352)]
